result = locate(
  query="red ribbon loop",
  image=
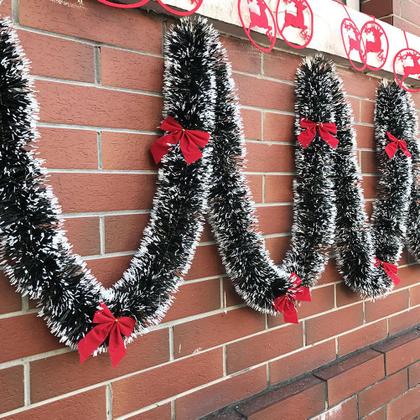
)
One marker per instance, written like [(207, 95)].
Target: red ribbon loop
[(287, 303), (190, 141), (326, 131), (390, 269), (395, 144), (107, 326)]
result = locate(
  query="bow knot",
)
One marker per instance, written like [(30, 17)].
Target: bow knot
[(326, 131), (107, 327), (395, 144), (287, 303), (391, 270), (191, 142)]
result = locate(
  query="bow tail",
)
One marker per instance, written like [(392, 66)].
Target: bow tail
[(92, 340), (161, 147), (190, 149), (305, 137), (328, 137), (290, 313), (391, 149), (116, 345), (393, 275)]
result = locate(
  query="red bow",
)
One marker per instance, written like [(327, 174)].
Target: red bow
[(390, 269), (326, 131), (190, 141), (287, 303), (391, 148), (107, 327)]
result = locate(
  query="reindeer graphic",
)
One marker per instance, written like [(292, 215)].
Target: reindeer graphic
[(354, 43), (375, 46), (297, 20), (259, 17), (414, 68)]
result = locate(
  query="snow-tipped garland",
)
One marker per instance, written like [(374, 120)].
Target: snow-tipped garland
[(359, 243), (35, 253)]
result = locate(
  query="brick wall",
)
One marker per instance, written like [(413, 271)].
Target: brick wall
[(98, 75), (403, 14)]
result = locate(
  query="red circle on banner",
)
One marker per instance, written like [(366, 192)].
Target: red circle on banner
[(260, 16), (196, 3), (124, 6), (411, 69), (302, 21), (379, 46), (353, 43)]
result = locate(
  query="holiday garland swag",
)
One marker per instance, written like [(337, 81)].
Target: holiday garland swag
[(201, 159)]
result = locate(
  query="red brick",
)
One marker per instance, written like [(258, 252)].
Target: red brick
[(377, 395), (55, 57), (195, 298), (365, 136), (281, 65), (356, 108), (109, 270), (415, 296), (265, 346), (395, 302), (409, 275), (369, 186), (405, 407), (358, 84), (10, 300), (47, 374), (103, 192), (404, 320), (362, 337), (11, 388), (346, 410), (243, 56), (377, 415), (301, 399), (90, 404), (269, 157), (368, 162), (302, 362), (121, 69), (277, 248), (322, 300), (127, 151), (30, 336), (279, 127), (414, 375), (124, 233), (206, 263), (213, 397), (368, 111), (400, 351), (96, 22), (252, 123), (254, 91), (215, 330), (165, 381), (345, 319), (346, 296), (274, 219), (5, 8), (351, 375), (255, 183), (279, 188), (161, 412), (83, 234), (230, 297), (68, 149), (99, 107), (330, 273)]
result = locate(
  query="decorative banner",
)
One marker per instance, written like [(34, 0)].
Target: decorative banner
[(295, 20), (189, 6), (353, 44), (407, 64), (376, 43), (255, 14)]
